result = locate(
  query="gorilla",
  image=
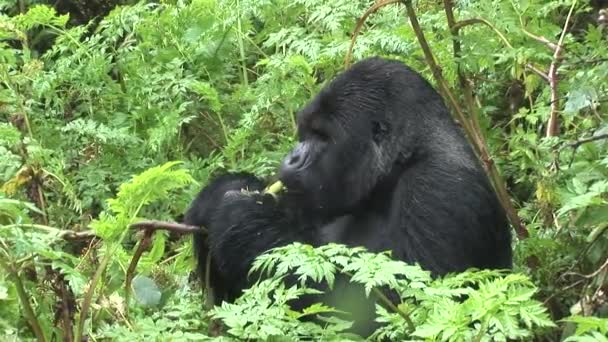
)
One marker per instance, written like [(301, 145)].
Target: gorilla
[(381, 164)]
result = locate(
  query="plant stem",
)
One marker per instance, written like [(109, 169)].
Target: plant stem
[(553, 124), (470, 127), (28, 311), (384, 299), (241, 45)]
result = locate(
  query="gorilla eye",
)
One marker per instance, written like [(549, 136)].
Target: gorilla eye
[(379, 130), (319, 134)]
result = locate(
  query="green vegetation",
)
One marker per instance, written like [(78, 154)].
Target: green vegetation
[(115, 114)]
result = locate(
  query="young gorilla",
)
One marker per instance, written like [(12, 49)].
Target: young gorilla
[(380, 164)]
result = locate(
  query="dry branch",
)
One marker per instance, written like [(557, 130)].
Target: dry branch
[(359, 25), (471, 127), (144, 243), (179, 228), (553, 124)]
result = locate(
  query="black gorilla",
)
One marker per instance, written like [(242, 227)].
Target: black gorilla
[(380, 164)]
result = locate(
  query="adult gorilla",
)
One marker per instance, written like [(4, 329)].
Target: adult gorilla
[(380, 164)]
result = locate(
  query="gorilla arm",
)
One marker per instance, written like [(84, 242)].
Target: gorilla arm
[(245, 225)]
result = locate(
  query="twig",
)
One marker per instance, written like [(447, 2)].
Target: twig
[(383, 298), (180, 228), (65, 305), (62, 234), (83, 235), (576, 144), (359, 25), (584, 252), (562, 290), (540, 39), (475, 137), (210, 298), (149, 227), (552, 124), (591, 275), (537, 71), (465, 84), (604, 265), (41, 201), (462, 23), (503, 194), (28, 311), (458, 25), (144, 243), (88, 296)]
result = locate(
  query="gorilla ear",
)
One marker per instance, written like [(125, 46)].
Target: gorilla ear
[(380, 129)]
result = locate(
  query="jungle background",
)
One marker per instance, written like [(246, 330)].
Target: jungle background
[(112, 112)]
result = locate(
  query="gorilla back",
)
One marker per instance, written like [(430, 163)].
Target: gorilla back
[(381, 164)]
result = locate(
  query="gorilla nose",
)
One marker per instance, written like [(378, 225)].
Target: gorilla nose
[(293, 163)]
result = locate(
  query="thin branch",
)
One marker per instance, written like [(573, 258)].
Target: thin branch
[(384, 299), (596, 272), (540, 39), (537, 71), (144, 243), (458, 25), (359, 25), (61, 233), (465, 84), (28, 311), (553, 124), (583, 253), (576, 144), (65, 304), (562, 290), (149, 227), (210, 298), (472, 130), (88, 296), (179, 228)]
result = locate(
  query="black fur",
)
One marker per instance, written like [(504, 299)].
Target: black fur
[(380, 164)]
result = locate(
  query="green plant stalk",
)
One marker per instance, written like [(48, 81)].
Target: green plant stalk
[(240, 41), (86, 303), (469, 100), (88, 297), (482, 330), (384, 299), (410, 324), (474, 135), (553, 122), (224, 128), (28, 311), (456, 26)]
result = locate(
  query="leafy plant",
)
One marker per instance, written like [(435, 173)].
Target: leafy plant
[(497, 306)]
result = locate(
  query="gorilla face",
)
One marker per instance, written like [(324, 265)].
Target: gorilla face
[(339, 158)]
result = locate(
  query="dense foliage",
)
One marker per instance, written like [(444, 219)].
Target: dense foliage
[(124, 113)]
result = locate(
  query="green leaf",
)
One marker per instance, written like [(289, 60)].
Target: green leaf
[(146, 291), (580, 98)]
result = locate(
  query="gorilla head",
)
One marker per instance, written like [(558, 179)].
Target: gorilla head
[(359, 129)]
